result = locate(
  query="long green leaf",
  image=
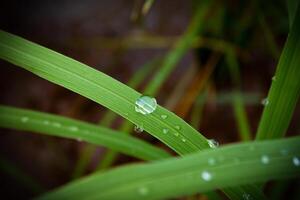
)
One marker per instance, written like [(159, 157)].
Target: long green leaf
[(106, 91), (198, 172), (38, 122), (285, 89)]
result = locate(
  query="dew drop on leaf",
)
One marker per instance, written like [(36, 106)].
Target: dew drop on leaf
[(211, 161), (24, 119), (177, 127), (176, 134), (213, 143), (143, 191), (46, 122), (73, 128), (206, 176), (138, 129), (145, 105), (274, 78), (56, 124), (265, 159), (164, 116), (183, 139), (296, 161), (165, 130), (265, 102)]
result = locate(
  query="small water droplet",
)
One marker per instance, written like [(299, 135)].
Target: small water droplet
[(176, 134), (265, 102), (79, 139), (246, 196), (274, 78), (213, 143), (143, 191), (145, 105), (265, 159), (73, 128), (183, 139), (206, 176), (46, 122), (24, 119), (177, 127), (211, 161), (165, 130), (296, 161), (56, 124), (138, 129), (164, 116)]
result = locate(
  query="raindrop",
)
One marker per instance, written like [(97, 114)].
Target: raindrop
[(213, 143), (265, 159), (265, 101), (206, 176), (138, 129), (296, 161), (164, 116), (165, 130), (183, 139), (176, 134), (211, 161), (24, 119), (143, 191), (177, 127), (274, 78), (56, 124), (145, 105), (74, 128)]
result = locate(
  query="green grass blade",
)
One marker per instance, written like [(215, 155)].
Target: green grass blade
[(38, 122), (292, 6), (102, 89), (198, 172), (285, 89)]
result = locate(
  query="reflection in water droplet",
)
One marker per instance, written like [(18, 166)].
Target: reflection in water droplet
[(265, 102), (143, 191), (145, 105), (24, 119), (138, 129), (73, 128), (165, 130), (164, 116), (296, 161), (213, 143), (206, 176), (265, 159)]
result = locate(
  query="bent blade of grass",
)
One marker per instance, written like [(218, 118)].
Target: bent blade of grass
[(103, 89), (26, 120), (198, 172), (285, 88)]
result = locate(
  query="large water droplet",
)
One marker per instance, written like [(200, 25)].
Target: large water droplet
[(206, 176), (164, 116), (143, 191), (145, 105), (165, 130), (24, 119), (296, 161), (265, 159), (213, 143), (138, 129), (265, 102)]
